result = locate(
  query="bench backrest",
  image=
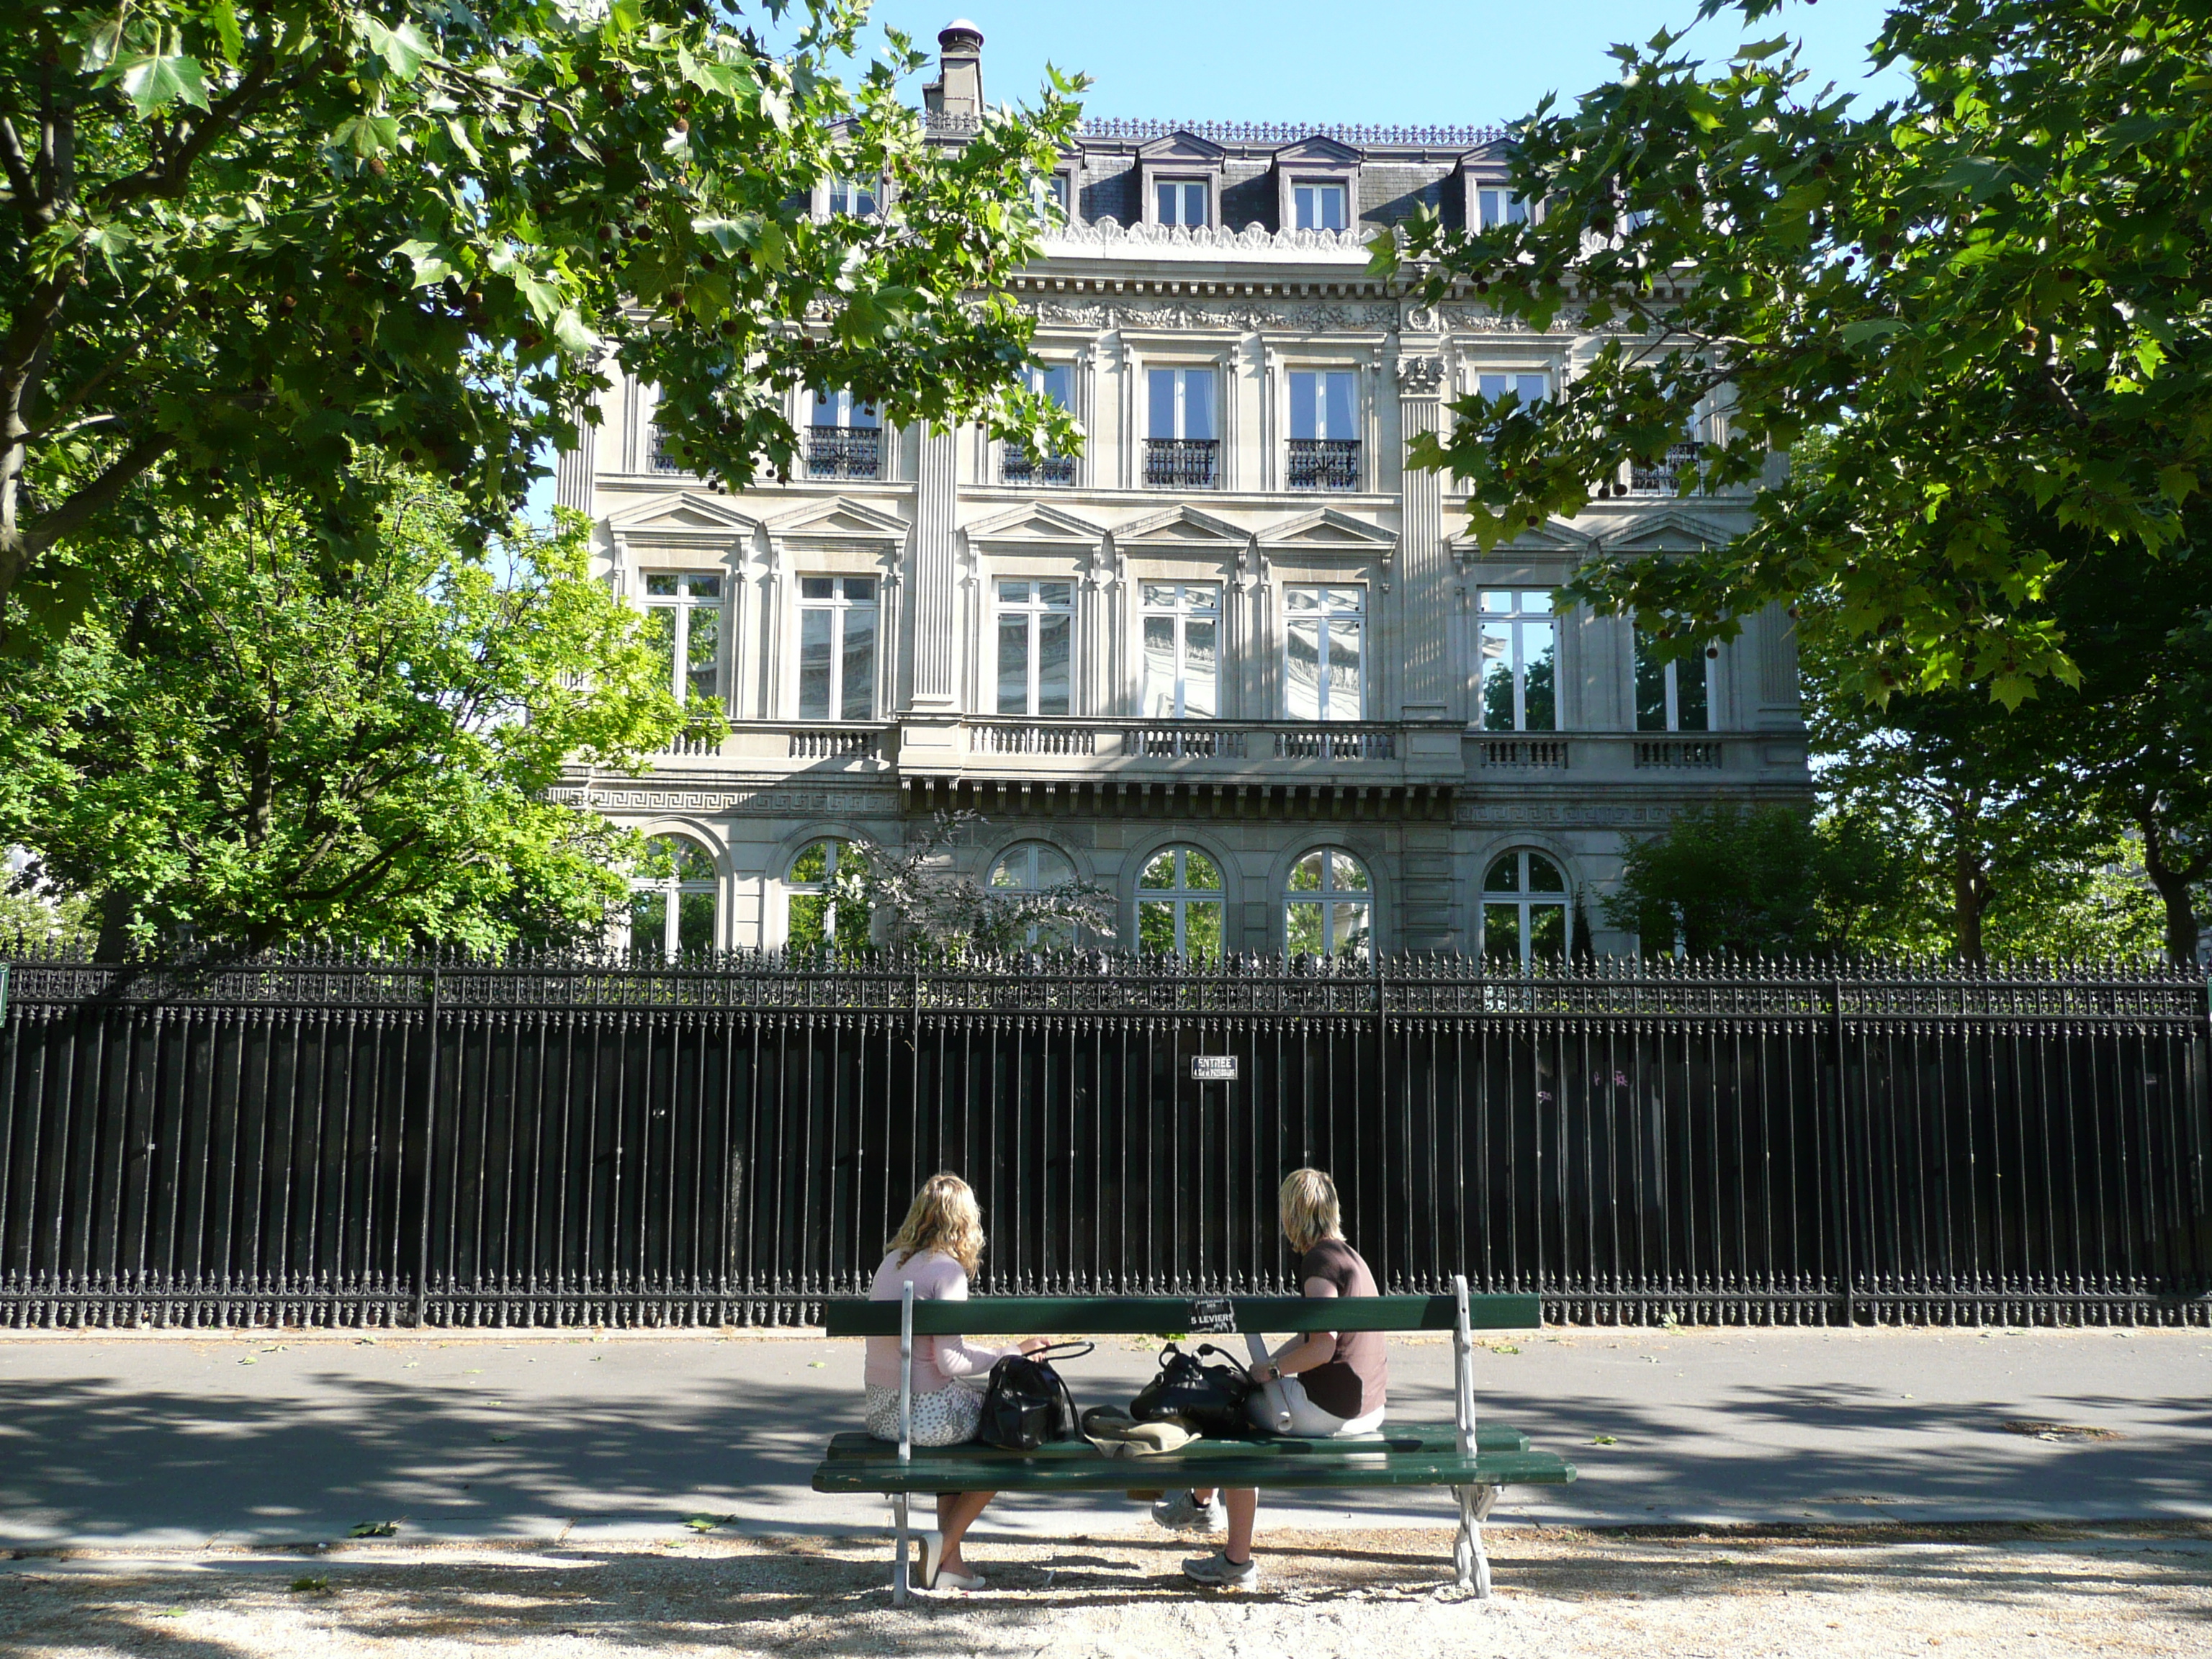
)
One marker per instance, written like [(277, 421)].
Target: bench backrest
[(1161, 1315)]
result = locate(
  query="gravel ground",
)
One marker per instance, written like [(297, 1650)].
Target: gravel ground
[(1998, 1590)]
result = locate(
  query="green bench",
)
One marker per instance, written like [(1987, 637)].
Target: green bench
[(1473, 1458)]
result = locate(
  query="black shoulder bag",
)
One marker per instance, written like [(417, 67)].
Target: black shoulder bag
[(1208, 1398), (1027, 1403)]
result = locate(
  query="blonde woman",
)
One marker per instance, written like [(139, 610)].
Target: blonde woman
[(1330, 1382), (938, 1247)]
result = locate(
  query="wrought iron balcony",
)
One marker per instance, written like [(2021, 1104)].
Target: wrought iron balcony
[(1663, 479), (1020, 467), (657, 458), (1182, 462), (844, 452), (1324, 464)]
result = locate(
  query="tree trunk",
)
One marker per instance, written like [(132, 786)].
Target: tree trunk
[(1969, 901), (114, 944), (2173, 881)]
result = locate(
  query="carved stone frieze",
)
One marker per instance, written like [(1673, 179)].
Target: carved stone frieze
[(1420, 377), (767, 803), (1317, 318)]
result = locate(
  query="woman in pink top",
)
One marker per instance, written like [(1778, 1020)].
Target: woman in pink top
[(938, 1247)]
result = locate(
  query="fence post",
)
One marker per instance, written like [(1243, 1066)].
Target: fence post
[(430, 1158), (1842, 1186)]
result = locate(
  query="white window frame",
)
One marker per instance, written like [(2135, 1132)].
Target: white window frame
[(1210, 375), (1183, 185), (844, 412), (1306, 192), (1495, 383), (839, 608), (841, 191), (683, 603), (1704, 660), (1181, 612), (1033, 609), (1182, 896), (834, 847), (1329, 895), (1334, 619), (672, 889), (1029, 852), (1516, 618), (1528, 901), (1487, 199)]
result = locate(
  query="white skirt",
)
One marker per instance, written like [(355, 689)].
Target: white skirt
[(946, 1417)]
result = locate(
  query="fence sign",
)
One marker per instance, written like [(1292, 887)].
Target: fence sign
[(1213, 1315), (1214, 1068)]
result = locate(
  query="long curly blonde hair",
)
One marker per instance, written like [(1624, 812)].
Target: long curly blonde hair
[(945, 1217)]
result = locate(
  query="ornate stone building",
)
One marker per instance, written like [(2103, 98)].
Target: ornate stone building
[(1235, 662)]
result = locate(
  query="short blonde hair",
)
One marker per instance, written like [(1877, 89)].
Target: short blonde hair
[(1309, 1210), (945, 1217)]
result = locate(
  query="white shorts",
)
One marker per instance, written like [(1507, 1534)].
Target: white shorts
[(1308, 1420), (945, 1417)]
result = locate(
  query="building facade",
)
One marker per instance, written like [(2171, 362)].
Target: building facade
[(1235, 662)]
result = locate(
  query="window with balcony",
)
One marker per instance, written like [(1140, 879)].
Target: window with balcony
[(1036, 866), (1319, 204), (1328, 910), (1183, 448), (1671, 697), (855, 198), (1324, 650), (844, 438), (1520, 643), (1054, 381), (836, 648), (1036, 636), (1674, 474), (683, 624), (657, 458), (1530, 389), (1179, 905), (826, 910), (1324, 451), (1527, 915), (674, 891), (1183, 650), (1179, 201), (1494, 208)]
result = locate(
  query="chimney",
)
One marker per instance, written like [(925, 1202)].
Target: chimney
[(958, 88)]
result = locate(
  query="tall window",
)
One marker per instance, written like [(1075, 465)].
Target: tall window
[(1324, 646), (1499, 207), (843, 437), (1055, 197), (1056, 383), (1180, 201), (1318, 205), (853, 198), (684, 624), (825, 913), (1329, 908), (1529, 388), (1520, 649), (1179, 905), (1036, 631), (1182, 655), (1182, 446), (836, 648), (1324, 453), (672, 894), (1035, 867), (1525, 912), (1671, 697)]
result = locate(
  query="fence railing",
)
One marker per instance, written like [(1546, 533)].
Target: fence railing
[(1191, 462), (332, 1141), (1323, 464)]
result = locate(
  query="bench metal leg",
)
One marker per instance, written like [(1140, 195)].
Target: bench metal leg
[(898, 1561), (1467, 1555)]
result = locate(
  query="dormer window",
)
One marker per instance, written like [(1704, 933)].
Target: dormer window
[(1180, 201), (1498, 207), (855, 198), (1318, 204)]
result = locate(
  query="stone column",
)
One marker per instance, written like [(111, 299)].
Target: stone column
[(932, 595), (1424, 566)]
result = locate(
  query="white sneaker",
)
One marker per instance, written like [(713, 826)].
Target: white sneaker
[(1217, 1569), (1180, 1511)]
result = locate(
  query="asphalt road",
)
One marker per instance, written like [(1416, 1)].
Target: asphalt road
[(154, 1438)]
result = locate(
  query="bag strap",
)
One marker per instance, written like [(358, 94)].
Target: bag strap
[(1235, 1363), (1073, 1349)]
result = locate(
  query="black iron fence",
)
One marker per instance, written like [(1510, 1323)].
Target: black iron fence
[(323, 1141)]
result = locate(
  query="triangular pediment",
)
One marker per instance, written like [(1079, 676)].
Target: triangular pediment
[(1182, 147), (1672, 529), (1554, 535), (1036, 521), (1326, 527), (1490, 154), (839, 518), (695, 512), (1319, 150), (1181, 524)]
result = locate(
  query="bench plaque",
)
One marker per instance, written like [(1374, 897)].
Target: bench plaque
[(1214, 1315)]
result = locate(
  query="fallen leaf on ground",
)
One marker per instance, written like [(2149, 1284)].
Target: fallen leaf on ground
[(707, 1523), (1604, 1440), (372, 1529), (312, 1586), (2061, 1430)]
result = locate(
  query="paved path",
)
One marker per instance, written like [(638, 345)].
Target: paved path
[(161, 1439)]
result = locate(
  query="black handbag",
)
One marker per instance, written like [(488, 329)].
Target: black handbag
[(1027, 1403), (1208, 1398)]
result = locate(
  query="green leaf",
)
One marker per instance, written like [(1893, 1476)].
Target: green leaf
[(153, 83), (1874, 328), (101, 43), (367, 134), (224, 17), (576, 339), (625, 16), (433, 261), (403, 49), (108, 240), (1753, 52)]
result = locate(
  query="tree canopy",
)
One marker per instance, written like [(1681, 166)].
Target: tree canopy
[(1990, 300), (256, 246)]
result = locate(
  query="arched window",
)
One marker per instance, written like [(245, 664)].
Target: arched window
[(1179, 905), (672, 894), (826, 913), (1035, 866), (1526, 916), (1329, 909)]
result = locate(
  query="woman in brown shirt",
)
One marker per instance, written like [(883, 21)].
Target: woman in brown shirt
[(1328, 1382)]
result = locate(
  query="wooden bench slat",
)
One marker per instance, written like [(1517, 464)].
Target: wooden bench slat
[(1152, 1315), (1225, 1468), (1395, 1436)]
